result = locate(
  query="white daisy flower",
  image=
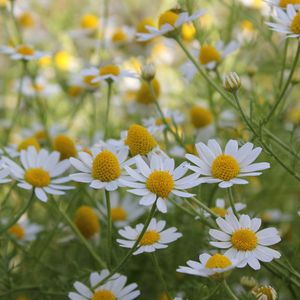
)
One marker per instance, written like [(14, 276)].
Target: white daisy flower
[(40, 171), (124, 209), (244, 241), (283, 3), (168, 22), (154, 238), (22, 52), (265, 292), (287, 21), (226, 168), (108, 72), (222, 211), (114, 288), (4, 171), (160, 179), (102, 169), (209, 265)]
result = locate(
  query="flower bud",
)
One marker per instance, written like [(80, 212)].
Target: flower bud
[(232, 82), (265, 292), (248, 282), (148, 71)]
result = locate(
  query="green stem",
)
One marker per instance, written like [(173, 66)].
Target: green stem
[(202, 205), (76, 110), (231, 201), (109, 90), (19, 215), (132, 250), (283, 64), (109, 227), (229, 291), (160, 275)]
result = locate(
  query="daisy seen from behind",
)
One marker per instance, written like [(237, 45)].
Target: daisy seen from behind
[(245, 241), (41, 171), (226, 167), (154, 238)]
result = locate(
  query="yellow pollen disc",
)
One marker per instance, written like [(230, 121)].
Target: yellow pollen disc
[(89, 22), (225, 167), (25, 50), (38, 87), (37, 177), (106, 167), (218, 261), (220, 211), (295, 25), (63, 60), (160, 183), (26, 20), (284, 3), (159, 121), (31, 141), (209, 54), (150, 237), (17, 230), (139, 140), (40, 135), (65, 146), (244, 240), (200, 117), (190, 148), (118, 214), (167, 17), (144, 94), (119, 36), (141, 27), (88, 80), (104, 295), (109, 70), (87, 150), (86, 221), (74, 90), (267, 291), (188, 32), (247, 25)]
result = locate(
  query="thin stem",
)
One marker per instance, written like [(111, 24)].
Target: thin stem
[(202, 205), (109, 227), (283, 64), (109, 90), (80, 236), (132, 250), (229, 291), (231, 201), (19, 215), (160, 275)]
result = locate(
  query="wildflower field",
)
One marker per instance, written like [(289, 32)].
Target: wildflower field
[(149, 149)]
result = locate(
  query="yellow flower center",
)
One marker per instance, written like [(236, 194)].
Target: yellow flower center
[(200, 117), (267, 291), (190, 148), (144, 94), (89, 22), (118, 214), (37, 177), (25, 50), (109, 70), (86, 221), (65, 146), (220, 211), (244, 240), (88, 81), (104, 295), (141, 27), (295, 25), (284, 3), (106, 167), (63, 60), (40, 135), (247, 25), (218, 261), (38, 87), (74, 90), (26, 20), (159, 121), (188, 32), (225, 167), (31, 141), (17, 230), (119, 36), (167, 17), (209, 54), (139, 140), (160, 183), (150, 237)]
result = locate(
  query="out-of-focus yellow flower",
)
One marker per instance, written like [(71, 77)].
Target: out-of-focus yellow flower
[(206, 21), (26, 20), (200, 117), (145, 96), (89, 21), (3, 3), (188, 32), (65, 146), (247, 25), (30, 141), (293, 115), (45, 61), (63, 60), (74, 90), (119, 36)]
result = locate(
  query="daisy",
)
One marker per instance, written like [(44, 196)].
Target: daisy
[(102, 168), (209, 265), (107, 73), (283, 3), (222, 211), (114, 288), (168, 22), (124, 209), (158, 180), (22, 52), (244, 241), (40, 171), (226, 167), (154, 238), (287, 21), (4, 172), (265, 292)]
